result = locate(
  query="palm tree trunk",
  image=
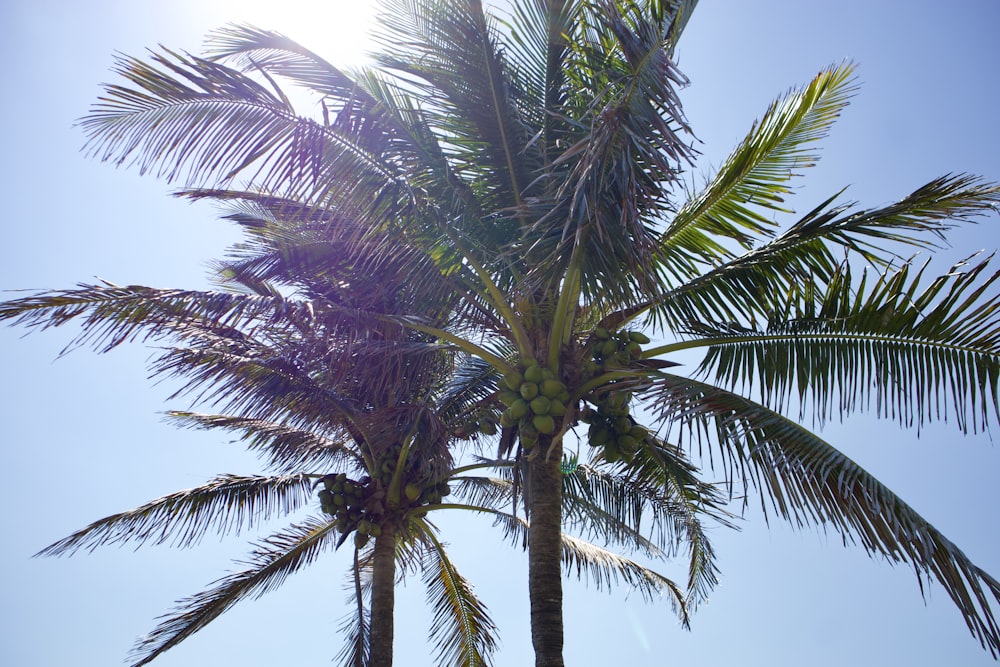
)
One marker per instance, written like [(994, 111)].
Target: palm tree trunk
[(383, 598), (545, 555)]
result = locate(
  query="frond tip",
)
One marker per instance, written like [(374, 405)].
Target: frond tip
[(226, 504), (270, 564), (461, 628)]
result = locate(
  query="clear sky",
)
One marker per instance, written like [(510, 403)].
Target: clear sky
[(84, 438)]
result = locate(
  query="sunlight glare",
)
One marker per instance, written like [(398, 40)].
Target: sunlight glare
[(337, 30)]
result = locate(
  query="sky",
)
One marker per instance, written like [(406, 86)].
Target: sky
[(84, 435)]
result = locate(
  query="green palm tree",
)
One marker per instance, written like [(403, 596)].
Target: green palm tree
[(310, 379), (535, 160), (291, 376)]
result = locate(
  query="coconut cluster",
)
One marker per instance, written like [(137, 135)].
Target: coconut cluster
[(359, 505), (613, 428), (535, 401), (610, 350), (611, 425)]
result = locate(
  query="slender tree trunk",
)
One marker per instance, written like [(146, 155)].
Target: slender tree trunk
[(545, 556), (383, 598)]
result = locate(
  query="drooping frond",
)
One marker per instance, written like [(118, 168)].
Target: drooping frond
[(686, 504), (657, 496), (602, 567), (602, 507), (606, 568), (284, 447), (226, 504), (275, 558), (461, 628), (356, 626), (919, 353), (808, 482)]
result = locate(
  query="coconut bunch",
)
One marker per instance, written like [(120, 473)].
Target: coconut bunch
[(535, 401)]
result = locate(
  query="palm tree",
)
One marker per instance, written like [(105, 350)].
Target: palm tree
[(535, 161), (291, 375), (312, 380)]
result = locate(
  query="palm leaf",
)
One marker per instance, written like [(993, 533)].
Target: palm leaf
[(356, 627), (284, 447), (607, 568), (749, 286), (602, 567), (685, 503), (808, 482), (110, 315), (755, 175), (461, 628), (613, 180), (200, 122), (920, 354), (226, 504), (658, 488), (450, 52), (272, 561)]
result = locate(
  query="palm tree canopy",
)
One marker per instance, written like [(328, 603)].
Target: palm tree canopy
[(531, 165)]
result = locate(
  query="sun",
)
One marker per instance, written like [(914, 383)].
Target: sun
[(337, 30)]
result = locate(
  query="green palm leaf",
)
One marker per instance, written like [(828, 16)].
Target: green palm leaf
[(808, 482), (461, 627), (755, 175), (284, 447), (920, 354), (606, 568), (226, 504), (747, 287), (275, 558), (602, 567), (661, 486), (450, 52)]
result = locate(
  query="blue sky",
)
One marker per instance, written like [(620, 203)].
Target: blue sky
[(84, 437)]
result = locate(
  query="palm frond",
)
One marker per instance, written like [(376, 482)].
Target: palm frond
[(285, 448), (461, 628), (226, 504), (606, 568), (755, 175), (110, 315), (687, 502), (356, 626), (265, 387), (808, 482), (602, 567), (479, 491), (748, 287), (273, 560), (615, 178), (919, 354), (450, 53), (201, 122), (658, 490), (606, 508), (253, 49)]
